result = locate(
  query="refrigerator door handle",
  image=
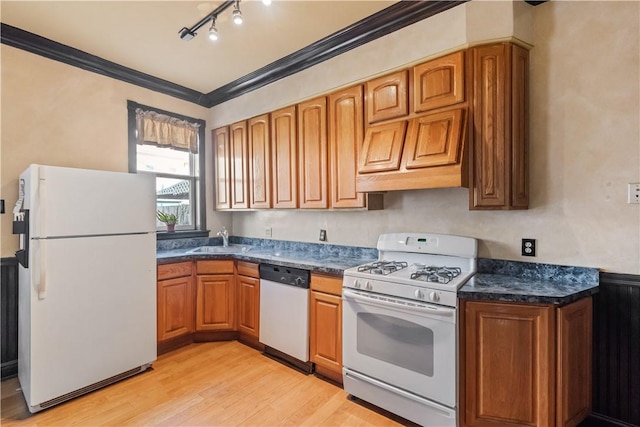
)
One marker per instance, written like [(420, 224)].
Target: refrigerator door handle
[(38, 269)]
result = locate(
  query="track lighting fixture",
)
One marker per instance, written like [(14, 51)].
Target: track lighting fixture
[(213, 31), (237, 18), (237, 15)]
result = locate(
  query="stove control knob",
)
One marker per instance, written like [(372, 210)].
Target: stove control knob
[(356, 283), (368, 285), (418, 293), (434, 296)]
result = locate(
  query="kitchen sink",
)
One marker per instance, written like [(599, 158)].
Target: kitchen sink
[(231, 249)]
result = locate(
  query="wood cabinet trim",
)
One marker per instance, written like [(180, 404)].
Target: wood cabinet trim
[(439, 82), (434, 140), (387, 97), (284, 157), (259, 150), (313, 154), (239, 169), (222, 160), (346, 132), (173, 270), (214, 267), (327, 284)]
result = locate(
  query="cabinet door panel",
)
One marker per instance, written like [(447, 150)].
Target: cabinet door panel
[(520, 129), (259, 162), (239, 166), (248, 294), (574, 362), (284, 157), (387, 97), (509, 364), (434, 140), (490, 125), (326, 330), (439, 82), (214, 303), (175, 307), (382, 147), (222, 172), (312, 153), (346, 128)]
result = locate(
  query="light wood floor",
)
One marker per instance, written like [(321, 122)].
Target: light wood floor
[(206, 384)]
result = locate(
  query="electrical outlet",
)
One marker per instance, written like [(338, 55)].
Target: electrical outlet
[(528, 247), (268, 232), (323, 235), (633, 194)]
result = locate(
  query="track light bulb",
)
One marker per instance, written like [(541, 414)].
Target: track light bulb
[(237, 16), (266, 2), (213, 31)]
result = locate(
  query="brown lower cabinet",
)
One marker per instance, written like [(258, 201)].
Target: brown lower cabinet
[(207, 300), (525, 364), (248, 299), (325, 325), (175, 300)]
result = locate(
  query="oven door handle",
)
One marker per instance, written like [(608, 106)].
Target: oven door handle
[(391, 303)]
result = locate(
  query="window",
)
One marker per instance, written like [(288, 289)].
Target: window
[(177, 166)]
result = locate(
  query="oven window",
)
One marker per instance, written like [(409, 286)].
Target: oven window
[(396, 341)]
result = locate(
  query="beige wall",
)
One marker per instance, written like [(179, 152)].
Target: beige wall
[(584, 116), (585, 109), (56, 114)]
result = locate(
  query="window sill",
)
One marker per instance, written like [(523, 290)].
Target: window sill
[(186, 234)]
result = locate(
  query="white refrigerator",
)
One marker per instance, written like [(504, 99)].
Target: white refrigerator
[(87, 296)]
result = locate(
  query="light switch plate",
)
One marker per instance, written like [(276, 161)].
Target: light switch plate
[(633, 194)]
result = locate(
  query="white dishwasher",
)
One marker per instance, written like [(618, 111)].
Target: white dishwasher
[(284, 315)]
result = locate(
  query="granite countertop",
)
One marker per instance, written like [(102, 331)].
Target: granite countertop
[(318, 258), (495, 280), (511, 281)]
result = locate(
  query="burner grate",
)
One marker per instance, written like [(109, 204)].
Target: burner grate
[(383, 267), (436, 274)]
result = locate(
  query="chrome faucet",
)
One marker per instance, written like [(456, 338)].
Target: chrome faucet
[(225, 236)]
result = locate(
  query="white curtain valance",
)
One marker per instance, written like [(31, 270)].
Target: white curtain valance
[(166, 131)]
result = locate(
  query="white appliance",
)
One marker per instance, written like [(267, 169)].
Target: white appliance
[(284, 314), (400, 325), (87, 280)]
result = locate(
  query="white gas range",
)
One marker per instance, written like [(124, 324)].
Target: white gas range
[(400, 325)]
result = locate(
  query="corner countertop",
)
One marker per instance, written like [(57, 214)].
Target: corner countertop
[(304, 257), (512, 281)]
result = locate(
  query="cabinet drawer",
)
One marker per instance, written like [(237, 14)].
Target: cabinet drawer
[(214, 267), (248, 269), (170, 271), (327, 284)]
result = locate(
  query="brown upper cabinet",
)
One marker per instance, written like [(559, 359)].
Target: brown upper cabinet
[(439, 82), (284, 157), (346, 130), (239, 165), (312, 153), (259, 162), (388, 97), (459, 120), (499, 167), (221, 179)]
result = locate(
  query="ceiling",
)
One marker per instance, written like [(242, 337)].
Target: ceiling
[(143, 35)]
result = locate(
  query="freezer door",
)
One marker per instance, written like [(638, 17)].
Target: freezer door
[(98, 318), (78, 202)]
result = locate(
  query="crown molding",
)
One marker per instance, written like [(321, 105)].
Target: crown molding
[(21, 39), (386, 21), (393, 18)]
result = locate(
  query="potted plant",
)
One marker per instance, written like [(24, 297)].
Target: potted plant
[(169, 219)]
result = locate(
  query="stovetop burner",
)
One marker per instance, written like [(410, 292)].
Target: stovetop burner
[(383, 267), (435, 274)]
